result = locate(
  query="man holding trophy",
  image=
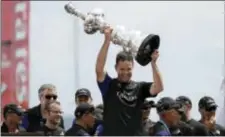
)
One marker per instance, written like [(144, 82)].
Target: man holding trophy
[(122, 97)]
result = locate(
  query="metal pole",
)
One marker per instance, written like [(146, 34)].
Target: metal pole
[(76, 53)]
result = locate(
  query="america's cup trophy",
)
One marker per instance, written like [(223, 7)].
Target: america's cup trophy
[(141, 46)]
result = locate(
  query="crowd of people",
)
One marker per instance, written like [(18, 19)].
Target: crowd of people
[(125, 109)]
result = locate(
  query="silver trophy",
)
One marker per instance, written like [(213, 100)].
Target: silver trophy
[(141, 46)]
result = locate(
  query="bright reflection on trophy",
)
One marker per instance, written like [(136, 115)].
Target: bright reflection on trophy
[(141, 46)]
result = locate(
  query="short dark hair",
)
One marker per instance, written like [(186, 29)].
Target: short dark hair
[(124, 56), (48, 105)]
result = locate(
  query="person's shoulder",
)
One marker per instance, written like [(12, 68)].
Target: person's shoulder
[(221, 128), (186, 127), (183, 124), (69, 131), (157, 129), (198, 127), (193, 122), (157, 126), (33, 110), (76, 131)]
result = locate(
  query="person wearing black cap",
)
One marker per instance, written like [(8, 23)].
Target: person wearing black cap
[(167, 109), (207, 108), (197, 128), (147, 123), (12, 117), (83, 95), (85, 120)]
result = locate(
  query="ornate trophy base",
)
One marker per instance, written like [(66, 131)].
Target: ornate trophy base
[(147, 47)]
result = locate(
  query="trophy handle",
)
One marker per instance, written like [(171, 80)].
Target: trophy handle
[(72, 10)]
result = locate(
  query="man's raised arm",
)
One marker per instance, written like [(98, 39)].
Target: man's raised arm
[(102, 56), (157, 86), (103, 79)]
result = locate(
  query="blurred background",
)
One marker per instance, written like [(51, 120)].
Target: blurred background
[(41, 43)]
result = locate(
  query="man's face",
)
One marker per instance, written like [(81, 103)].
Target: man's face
[(209, 113), (83, 99), (48, 95), (54, 114), (89, 119), (13, 119), (124, 70), (172, 116)]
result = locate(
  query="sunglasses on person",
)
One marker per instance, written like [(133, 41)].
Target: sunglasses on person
[(54, 97)]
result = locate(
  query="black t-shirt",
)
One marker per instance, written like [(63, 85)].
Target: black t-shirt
[(198, 128), (77, 130), (122, 114), (52, 132)]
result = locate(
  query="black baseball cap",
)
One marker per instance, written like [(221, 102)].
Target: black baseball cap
[(82, 109), (184, 100), (12, 108), (167, 103), (207, 103), (83, 92)]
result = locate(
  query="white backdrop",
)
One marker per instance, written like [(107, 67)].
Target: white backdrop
[(192, 47)]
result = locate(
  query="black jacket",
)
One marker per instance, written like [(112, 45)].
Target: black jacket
[(185, 129), (33, 120), (198, 128), (77, 130)]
